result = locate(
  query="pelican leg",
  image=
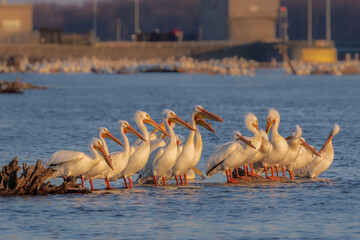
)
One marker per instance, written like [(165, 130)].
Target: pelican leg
[(277, 171), (283, 172), (273, 175), (237, 172), (126, 185), (91, 184), (181, 180), (231, 175), (246, 177), (232, 180), (266, 173), (227, 176), (130, 181), (177, 181), (291, 172), (252, 173), (164, 182), (185, 177), (156, 184), (82, 182), (107, 183)]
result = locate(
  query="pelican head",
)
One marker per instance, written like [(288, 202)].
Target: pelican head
[(238, 136), (104, 133), (333, 132), (200, 112), (171, 117), (125, 126), (336, 129), (296, 133), (97, 145), (273, 117), (147, 119), (251, 122)]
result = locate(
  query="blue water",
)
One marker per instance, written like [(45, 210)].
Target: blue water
[(68, 113)]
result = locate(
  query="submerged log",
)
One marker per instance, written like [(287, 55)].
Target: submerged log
[(32, 181), (16, 86)]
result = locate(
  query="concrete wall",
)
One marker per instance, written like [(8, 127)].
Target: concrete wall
[(15, 19), (113, 50), (213, 19), (253, 20)]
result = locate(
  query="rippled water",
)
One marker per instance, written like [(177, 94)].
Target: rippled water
[(68, 113)]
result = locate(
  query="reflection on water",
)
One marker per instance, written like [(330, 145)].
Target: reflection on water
[(67, 115)]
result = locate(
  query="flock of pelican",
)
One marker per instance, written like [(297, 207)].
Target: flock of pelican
[(159, 156), (233, 66), (261, 152)]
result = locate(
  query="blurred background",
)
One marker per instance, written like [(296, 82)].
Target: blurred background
[(215, 28)]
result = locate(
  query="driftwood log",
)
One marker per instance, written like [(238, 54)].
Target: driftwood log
[(31, 181), (16, 86)]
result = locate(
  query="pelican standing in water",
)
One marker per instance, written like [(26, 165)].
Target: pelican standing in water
[(120, 158), (184, 161), (228, 156), (198, 149), (306, 154), (164, 158), (139, 153), (73, 163), (251, 123), (101, 165), (320, 163), (293, 150), (279, 144)]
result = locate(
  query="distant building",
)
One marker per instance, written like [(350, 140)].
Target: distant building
[(15, 20), (243, 21)]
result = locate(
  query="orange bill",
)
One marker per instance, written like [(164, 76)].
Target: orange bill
[(327, 142), (106, 157), (130, 129), (247, 142), (204, 124), (111, 137), (156, 126), (208, 115), (181, 122), (268, 126), (310, 148)]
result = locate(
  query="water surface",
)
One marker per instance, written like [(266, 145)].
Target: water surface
[(68, 113)]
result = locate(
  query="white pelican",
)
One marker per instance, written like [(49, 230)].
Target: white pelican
[(251, 123), (164, 158), (101, 165), (262, 153), (185, 160), (72, 163), (198, 149), (139, 152), (293, 150), (306, 154), (320, 163), (227, 156), (120, 158), (279, 144)]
